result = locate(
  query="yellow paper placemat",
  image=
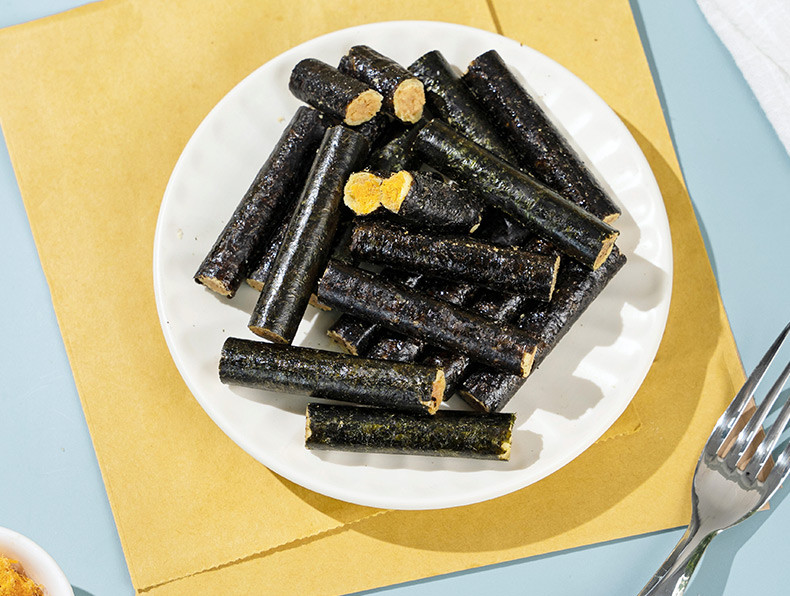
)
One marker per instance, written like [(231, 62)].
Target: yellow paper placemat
[(96, 105)]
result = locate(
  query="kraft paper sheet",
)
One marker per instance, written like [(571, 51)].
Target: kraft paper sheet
[(96, 105)]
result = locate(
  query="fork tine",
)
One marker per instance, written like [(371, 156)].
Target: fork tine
[(749, 432), (725, 424), (763, 453), (778, 474)]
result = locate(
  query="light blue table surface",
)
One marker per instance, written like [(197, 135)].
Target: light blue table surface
[(738, 176)]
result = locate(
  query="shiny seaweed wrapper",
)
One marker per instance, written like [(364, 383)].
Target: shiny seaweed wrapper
[(396, 153), (401, 348), (577, 287), (308, 240), (336, 93), (265, 204), (356, 335), (508, 269), (429, 201), (541, 149), (260, 272), (353, 334), (448, 433), (331, 375), (395, 347), (350, 289), (403, 94), (454, 366), (570, 228), (450, 99)]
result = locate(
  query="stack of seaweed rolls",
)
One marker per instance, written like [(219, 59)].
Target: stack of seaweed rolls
[(449, 226)]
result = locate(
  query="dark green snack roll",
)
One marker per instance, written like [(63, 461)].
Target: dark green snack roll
[(356, 335), (453, 365), (274, 188), (448, 96), (448, 433), (353, 334), (394, 346), (491, 304), (374, 129), (358, 292), (403, 93), (396, 153), (308, 240), (570, 228), (489, 390), (334, 92), (418, 199), (424, 199), (331, 375), (505, 268), (500, 229), (259, 273), (542, 149)]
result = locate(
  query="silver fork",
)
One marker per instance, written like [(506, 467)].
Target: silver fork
[(733, 478)]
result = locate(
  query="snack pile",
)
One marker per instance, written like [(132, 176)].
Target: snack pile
[(449, 221)]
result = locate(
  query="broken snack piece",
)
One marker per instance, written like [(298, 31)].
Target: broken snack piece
[(420, 199)]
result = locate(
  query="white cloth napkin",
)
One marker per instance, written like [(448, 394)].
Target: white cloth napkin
[(757, 34)]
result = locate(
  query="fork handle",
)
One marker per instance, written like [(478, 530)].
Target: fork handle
[(675, 573)]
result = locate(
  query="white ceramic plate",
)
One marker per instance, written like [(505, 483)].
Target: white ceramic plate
[(579, 391), (38, 565)]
